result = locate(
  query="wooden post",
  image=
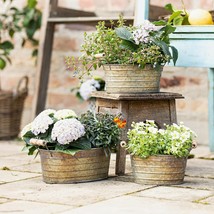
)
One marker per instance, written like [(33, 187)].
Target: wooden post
[(44, 58), (211, 108), (141, 11)]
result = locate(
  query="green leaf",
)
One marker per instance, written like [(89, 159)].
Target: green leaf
[(82, 144), (174, 54), (11, 33), (163, 46), (159, 23), (169, 7), (174, 15), (6, 45), (35, 52), (128, 45), (178, 20), (31, 3), (2, 63), (123, 33)]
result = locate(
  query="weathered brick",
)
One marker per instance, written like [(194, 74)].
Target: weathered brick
[(87, 5)]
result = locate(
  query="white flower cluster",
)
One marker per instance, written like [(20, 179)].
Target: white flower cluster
[(46, 118), (87, 87), (41, 124), (146, 139), (64, 113), (67, 130), (142, 34)]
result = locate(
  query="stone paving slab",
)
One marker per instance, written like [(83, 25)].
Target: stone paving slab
[(137, 205), (68, 194), (33, 168), (11, 176), (11, 162), (10, 148), (3, 200), (198, 183), (209, 200), (175, 194), (31, 207), (200, 168)]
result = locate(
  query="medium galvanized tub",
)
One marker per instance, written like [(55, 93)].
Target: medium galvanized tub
[(85, 165), (129, 79), (159, 170)]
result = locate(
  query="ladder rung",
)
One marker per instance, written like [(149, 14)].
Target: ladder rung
[(83, 20)]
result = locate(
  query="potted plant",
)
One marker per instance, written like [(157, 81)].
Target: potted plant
[(128, 54), (72, 149), (159, 156)]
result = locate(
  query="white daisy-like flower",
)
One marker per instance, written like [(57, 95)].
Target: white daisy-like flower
[(153, 130), (67, 130), (64, 113), (87, 87), (41, 124), (26, 129), (175, 135), (161, 131)]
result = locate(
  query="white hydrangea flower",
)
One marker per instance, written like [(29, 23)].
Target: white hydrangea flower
[(41, 123), (48, 112), (64, 113), (26, 129), (141, 35), (87, 87), (67, 130)]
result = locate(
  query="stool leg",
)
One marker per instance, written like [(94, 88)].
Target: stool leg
[(120, 161), (211, 109)]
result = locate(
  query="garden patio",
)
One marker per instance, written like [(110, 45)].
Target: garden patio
[(23, 191)]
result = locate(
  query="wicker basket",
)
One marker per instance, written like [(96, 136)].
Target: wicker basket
[(11, 108)]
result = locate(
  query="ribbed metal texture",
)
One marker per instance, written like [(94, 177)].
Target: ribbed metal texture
[(159, 170), (86, 165), (131, 79)]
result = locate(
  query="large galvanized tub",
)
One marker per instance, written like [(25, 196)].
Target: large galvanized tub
[(158, 170), (128, 79), (85, 165)]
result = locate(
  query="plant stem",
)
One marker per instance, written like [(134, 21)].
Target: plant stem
[(183, 5)]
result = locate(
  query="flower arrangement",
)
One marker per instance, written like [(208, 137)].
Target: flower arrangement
[(63, 131), (87, 87), (145, 139), (121, 44)]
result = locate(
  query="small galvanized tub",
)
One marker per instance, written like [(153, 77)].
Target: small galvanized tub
[(159, 170), (85, 165), (129, 79)]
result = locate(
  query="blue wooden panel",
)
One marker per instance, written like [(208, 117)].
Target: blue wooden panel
[(195, 46), (211, 109)]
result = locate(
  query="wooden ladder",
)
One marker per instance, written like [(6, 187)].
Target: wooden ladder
[(54, 15)]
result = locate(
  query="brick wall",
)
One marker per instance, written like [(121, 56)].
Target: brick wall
[(192, 83)]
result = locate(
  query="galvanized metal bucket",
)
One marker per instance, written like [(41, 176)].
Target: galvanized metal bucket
[(129, 79), (159, 170), (85, 165)]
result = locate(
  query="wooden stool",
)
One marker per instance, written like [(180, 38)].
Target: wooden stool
[(137, 107)]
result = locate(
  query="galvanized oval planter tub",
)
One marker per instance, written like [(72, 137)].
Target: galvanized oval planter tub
[(85, 165), (131, 79), (158, 170)]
